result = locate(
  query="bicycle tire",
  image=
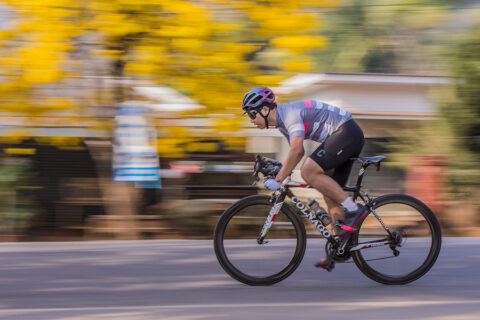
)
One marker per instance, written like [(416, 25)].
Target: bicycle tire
[(227, 222), (431, 242)]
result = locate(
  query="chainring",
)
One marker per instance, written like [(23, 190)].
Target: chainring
[(332, 253)]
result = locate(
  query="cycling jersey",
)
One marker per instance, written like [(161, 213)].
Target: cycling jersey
[(310, 119), (340, 137)]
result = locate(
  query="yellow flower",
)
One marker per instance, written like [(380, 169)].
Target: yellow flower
[(299, 42)]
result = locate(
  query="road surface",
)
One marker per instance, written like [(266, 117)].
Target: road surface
[(182, 280)]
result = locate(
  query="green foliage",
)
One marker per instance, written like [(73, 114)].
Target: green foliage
[(381, 36), (455, 136), (15, 202), (464, 114), (425, 138)]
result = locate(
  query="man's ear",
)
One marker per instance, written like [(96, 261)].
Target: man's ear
[(265, 110)]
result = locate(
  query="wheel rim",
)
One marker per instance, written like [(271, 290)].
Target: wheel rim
[(250, 260), (402, 262)]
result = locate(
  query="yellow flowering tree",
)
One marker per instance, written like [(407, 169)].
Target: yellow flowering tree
[(53, 51), (211, 51), (34, 46), (58, 55)]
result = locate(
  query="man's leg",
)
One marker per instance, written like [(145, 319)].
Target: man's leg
[(336, 199), (334, 209), (315, 176), (332, 192), (335, 154)]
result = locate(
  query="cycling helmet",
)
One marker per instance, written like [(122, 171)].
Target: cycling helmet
[(257, 98)]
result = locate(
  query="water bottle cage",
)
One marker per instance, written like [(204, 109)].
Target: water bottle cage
[(320, 212), (324, 218)]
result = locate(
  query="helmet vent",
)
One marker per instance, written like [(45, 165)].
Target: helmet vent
[(247, 98), (255, 100)]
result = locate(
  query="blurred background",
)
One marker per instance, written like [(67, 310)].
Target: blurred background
[(121, 119)]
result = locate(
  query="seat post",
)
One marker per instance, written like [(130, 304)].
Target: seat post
[(358, 185), (365, 161)]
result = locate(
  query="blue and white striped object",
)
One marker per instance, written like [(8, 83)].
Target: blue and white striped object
[(135, 157)]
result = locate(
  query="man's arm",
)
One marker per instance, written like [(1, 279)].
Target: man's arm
[(294, 156)]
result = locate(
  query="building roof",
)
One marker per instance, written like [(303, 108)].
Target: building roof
[(305, 80)]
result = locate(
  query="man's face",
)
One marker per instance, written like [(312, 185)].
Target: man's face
[(259, 121)]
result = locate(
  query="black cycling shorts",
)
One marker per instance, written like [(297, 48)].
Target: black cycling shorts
[(335, 152)]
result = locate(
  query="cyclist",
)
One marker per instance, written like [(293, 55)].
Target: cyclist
[(328, 167)]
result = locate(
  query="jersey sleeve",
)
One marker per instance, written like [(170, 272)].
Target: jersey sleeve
[(292, 119)]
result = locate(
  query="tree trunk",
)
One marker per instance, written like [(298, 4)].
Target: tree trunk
[(120, 199)]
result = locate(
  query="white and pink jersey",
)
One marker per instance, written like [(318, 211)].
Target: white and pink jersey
[(310, 119)]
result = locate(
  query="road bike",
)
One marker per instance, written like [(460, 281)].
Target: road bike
[(261, 240)]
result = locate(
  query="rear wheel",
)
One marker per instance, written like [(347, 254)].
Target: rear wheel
[(411, 248), (247, 261)]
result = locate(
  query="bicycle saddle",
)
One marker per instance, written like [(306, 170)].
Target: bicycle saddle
[(370, 160)]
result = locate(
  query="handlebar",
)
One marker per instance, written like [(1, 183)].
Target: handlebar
[(267, 167)]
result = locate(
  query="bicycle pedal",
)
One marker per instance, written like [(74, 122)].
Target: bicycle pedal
[(329, 267)]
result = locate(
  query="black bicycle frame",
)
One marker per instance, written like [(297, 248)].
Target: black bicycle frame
[(279, 199)]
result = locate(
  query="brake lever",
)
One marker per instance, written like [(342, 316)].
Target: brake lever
[(256, 166), (262, 166), (255, 180)]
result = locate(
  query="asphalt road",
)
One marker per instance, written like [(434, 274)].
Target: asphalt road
[(182, 280)]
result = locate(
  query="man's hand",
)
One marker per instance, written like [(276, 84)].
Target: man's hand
[(272, 184)]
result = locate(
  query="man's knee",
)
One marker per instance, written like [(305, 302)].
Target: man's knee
[(310, 169)]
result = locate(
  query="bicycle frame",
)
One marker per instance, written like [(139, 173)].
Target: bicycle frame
[(279, 199)]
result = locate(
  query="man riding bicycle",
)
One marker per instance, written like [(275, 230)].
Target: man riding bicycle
[(328, 167)]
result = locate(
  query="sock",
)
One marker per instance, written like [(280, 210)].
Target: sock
[(349, 205)]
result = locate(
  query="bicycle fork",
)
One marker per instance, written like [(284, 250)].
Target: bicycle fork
[(278, 203), (269, 221)]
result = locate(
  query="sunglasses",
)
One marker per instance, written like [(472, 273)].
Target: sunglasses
[(252, 114)]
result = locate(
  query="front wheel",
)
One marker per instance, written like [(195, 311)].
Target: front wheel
[(255, 262), (407, 251)]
